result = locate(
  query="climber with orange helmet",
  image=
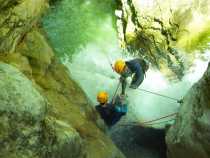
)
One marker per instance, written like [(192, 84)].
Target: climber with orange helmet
[(113, 111), (135, 68)]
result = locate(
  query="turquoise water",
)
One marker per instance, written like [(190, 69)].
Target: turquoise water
[(74, 23)]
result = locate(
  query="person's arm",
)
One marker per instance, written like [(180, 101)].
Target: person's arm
[(123, 79), (124, 84)]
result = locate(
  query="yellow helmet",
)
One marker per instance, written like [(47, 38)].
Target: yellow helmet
[(119, 66), (102, 97)]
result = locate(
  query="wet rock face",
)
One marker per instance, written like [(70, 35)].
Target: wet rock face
[(16, 18), (69, 127), (144, 141), (43, 112), (22, 109), (18, 95), (190, 136), (7, 3), (157, 30), (25, 129)]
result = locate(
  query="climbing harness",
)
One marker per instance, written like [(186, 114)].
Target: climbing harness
[(161, 95)]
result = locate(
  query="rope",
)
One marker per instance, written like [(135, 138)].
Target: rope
[(151, 121), (161, 122), (137, 124), (161, 95), (115, 93), (170, 115)]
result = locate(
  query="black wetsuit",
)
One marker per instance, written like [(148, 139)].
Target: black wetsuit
[(110, 114), (135, 69)]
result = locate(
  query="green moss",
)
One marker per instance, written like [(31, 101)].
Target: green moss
[(196, 39)]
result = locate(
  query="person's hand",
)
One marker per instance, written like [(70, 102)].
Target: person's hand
[(133, 86)]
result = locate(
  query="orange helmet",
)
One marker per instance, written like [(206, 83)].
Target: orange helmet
[(102, 97), (119, 66)]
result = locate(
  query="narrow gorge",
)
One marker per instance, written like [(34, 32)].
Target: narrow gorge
[(55, 57)]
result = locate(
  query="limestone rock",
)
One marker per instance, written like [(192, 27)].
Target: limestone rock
[(157, 30), (37, 50), (22, 109), (17, 18), (43, 112), (68, 106), (190, 136), (18, 96), (68, 103), (6, 3), (25, 129), (61, 140)]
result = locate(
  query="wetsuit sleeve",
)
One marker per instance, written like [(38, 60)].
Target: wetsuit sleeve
[(137, 78), (124, 84)]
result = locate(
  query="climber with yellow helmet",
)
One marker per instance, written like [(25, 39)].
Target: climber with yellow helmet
[(135, 68), (113, 111)]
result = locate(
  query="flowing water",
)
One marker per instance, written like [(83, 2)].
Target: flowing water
[(84, 37)]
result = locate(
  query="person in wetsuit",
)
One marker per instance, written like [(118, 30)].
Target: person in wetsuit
[(111, 112), (135, 68)]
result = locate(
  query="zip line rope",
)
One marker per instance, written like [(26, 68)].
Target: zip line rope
[(161, 95), (157, 119), (138, 124), (152, 122), (156, 123), (115, 93)]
